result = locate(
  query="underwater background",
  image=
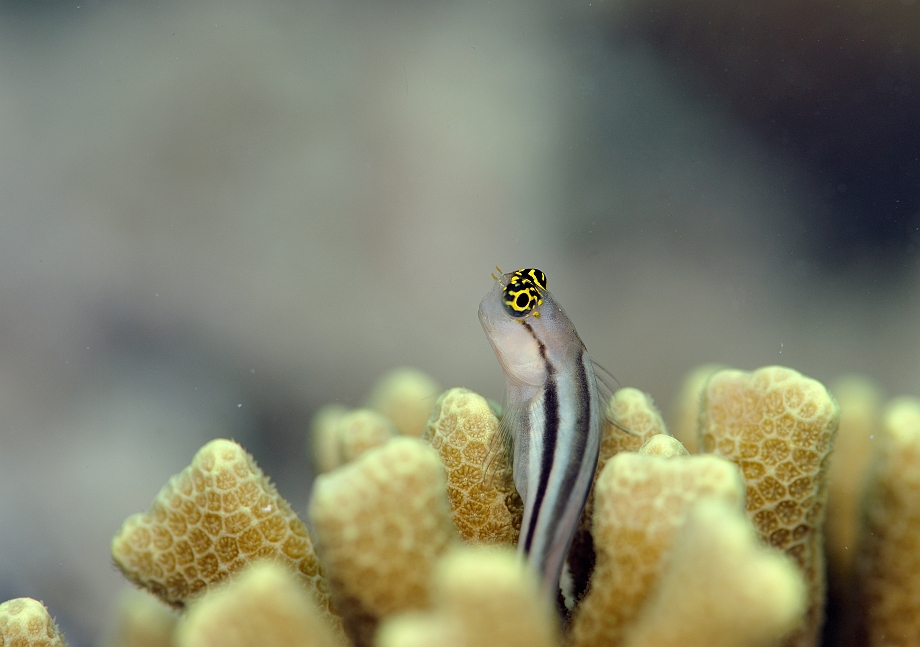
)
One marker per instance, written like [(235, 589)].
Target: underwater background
[(216, 218)]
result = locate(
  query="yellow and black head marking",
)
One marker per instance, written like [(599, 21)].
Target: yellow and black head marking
[(524, 292)]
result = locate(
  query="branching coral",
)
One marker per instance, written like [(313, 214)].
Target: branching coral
[(640, 503), (888, 567), (482, 598), (361, 430), (717, 557), (686, 418), (25, 622), (631, 419), (399, 403), (860, 422), (210, 521), (676, 558), (778, 427), (340, 435), (382, 522), (324, 445), (265, 605), (484, 504)]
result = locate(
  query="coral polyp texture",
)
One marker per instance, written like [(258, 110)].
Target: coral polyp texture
[(778, 426), (481, 597), (265, 605), (362, 430), (888, 565), (211, 520), (484, 503), (640, 503), (631, 418), (722, 549), (25, 622), (718, 557), (382, 522)]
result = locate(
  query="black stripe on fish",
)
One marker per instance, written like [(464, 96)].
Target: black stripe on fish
[(550, 433), (579, 439)]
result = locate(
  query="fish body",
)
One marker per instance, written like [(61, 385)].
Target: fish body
[(553, 414)]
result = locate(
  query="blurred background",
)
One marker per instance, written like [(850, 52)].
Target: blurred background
[(215, 218)]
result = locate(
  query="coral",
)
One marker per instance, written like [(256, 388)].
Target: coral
[(664, 447), (633, 411), (677, 562), (143, 621), (324, 434), (778, 427), (888, 566), (405, 396), (265, 605), (25, 622), (341, 435), (361, 430), (860, 421), (399, 403), (208, 522), (686, 410), (641, 502), (382, 522), (484, 503), (718, 557), (482, 597)]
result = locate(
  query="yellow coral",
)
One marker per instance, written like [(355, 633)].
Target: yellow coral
[(640, 503), (778, 426), (386, 519), (361, 430), (485, 506), (888, 567), (664, 446), (860, 421), (635, 412), (405, 396), (482, 598), (340, 435), (721, 588), (25, 622), (208, 522), (382, 522), (264, 606), (324, 432), (686, 412)]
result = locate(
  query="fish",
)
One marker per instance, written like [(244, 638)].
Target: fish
[(553, 416)]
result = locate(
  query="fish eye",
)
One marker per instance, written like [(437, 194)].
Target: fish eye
[(519, 300), (523, 292)]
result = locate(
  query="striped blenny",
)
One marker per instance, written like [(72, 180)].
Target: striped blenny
[(553, 414)]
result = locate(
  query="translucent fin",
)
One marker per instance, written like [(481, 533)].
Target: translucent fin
[(607, 384), (605, 389), (500, 457)]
